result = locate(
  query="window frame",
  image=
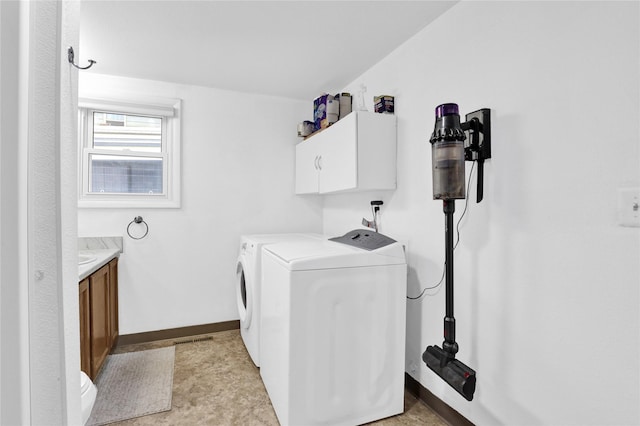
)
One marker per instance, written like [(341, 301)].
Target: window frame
[(169, 111)]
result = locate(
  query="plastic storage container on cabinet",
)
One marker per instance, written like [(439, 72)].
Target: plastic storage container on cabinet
[(357, 153)]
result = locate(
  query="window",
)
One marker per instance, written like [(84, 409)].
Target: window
[(129, 154)]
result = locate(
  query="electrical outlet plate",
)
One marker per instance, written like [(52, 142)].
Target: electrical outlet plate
[(629, 207)]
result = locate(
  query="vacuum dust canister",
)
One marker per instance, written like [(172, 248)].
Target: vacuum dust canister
[(447, 154)]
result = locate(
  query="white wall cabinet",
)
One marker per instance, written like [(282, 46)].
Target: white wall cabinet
[(357, 153)]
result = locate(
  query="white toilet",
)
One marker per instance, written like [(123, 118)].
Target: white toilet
[(88, 392)]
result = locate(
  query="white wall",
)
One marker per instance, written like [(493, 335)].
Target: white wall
[(38, 261), (69, 12), (546, 283), (237, 178), (14, 335)]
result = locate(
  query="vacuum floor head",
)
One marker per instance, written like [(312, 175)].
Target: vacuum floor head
[(456, 374)]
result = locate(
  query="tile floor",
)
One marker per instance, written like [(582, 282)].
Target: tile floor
[(215, 383)]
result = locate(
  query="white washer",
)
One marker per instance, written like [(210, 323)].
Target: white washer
[(333, 329), (248, 278)]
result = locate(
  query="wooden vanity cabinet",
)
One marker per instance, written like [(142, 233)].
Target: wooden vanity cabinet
[(98, 317), (113, 302), (99, 308), (85, 325)]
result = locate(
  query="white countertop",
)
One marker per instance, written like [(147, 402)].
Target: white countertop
[(102, 257)]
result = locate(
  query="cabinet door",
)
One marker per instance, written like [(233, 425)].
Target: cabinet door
[(306, 167), (99, 306), (85, 324), (339, 158), (113, 303), (376, 151)]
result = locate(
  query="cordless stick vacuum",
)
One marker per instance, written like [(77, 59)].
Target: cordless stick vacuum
[(448, 157), (443, 361)]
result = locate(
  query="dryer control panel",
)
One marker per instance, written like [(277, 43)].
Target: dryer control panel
[(365, 239)]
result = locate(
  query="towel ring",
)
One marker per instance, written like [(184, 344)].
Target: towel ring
[(138, 219)]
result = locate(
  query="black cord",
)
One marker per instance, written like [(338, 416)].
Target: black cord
[(429, 288), (466, 205)]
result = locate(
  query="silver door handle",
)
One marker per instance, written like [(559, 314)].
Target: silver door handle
[(320, 162)]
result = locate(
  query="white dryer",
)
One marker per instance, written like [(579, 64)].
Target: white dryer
[(333, 329), (248, 288)]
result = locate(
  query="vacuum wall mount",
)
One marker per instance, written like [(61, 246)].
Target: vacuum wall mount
[(477, 146)]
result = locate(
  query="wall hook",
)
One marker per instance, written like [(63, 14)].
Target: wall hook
[(71, 57)]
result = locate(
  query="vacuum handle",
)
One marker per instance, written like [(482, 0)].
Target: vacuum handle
[(480, 187)]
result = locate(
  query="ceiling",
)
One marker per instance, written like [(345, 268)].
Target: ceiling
[(294, 49)]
